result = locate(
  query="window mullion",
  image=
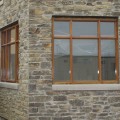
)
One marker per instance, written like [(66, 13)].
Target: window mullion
[(2, 57), (99, 54), (53, 49), (16, 55), (7, 57), (116, 51), (71, 58)]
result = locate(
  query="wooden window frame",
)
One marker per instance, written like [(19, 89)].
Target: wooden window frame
[(5, 52), (98, 37)]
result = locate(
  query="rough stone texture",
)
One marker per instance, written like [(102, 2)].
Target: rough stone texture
[(64, 105), (14, 103), (35, 75)]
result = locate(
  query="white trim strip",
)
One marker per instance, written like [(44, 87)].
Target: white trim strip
[(9, 85), (87, 87)]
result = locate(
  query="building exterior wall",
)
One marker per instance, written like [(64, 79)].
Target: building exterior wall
[(14, 102), (46, 103), (35, 97)]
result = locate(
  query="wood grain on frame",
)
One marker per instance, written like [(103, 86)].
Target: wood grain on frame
[(98, 38)]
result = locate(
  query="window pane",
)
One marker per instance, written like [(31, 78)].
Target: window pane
[(107, 28), (61, 60), (108, 59), (3, 64), (84, 28), (3, 37), (12, 63), (85, 60), (13, 33), (61, 28)]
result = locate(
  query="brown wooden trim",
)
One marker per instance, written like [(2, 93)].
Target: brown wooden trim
[(6, 55), (9, 26), (85, 37), (7, 59), (79, 82), (61, 37), (87, 82), (71, 53), (61, 19), (107, 20), (98, 38), (9, 43), (99, 54), (84, 19), (109, 81), (52, 49), (65, 82), (117, 52), (16, 54)]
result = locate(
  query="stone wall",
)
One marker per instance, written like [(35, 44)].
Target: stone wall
[(46, 104), (35, 63), (14, 103)]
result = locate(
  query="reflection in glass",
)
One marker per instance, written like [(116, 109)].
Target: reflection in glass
[(12, 63), (13, 33), (84, 28), (61, 60), (108, 59), (61, 28), (3, 64), (107, 28), (3, 37), (85, 60)]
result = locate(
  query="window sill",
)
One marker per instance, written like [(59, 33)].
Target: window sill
[(9, 85), (87, 87)]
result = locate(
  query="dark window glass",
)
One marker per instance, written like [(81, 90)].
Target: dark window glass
[(12, 63), (61, 60), (108, 59), (85, 58)]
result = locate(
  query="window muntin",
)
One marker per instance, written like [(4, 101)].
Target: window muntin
[(99, 33), (9, 53)]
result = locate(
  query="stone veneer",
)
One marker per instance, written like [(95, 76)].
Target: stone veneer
[(14, 102), (46, 103), (35, 79)]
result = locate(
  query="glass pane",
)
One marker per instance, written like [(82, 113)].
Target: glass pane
[(12, 63), (108, 59), (61, 28), (61, 60), (3, 37), (85, 60), (107, 28), (84, 28), (3, 64), (13, 35)]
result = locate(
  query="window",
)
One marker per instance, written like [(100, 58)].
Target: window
[(85, 50), (9, 53)]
